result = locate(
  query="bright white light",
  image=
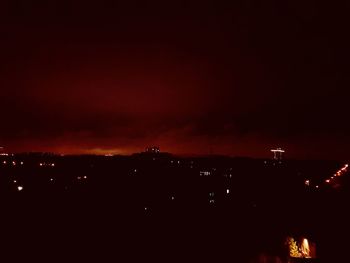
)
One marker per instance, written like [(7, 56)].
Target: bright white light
[(327, 181), (85, 177), (13, 163), (307, 182), (41, 164), (4, 162), (316, 186), (52, 165), (278, 150), (172, 198), (51, 179), (21, 163), (227, 191), (14, 181), (19, 188), (204, 173)]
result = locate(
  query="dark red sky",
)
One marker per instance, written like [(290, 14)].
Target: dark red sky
[(190, 76)]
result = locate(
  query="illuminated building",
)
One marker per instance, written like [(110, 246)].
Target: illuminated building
[(278, 154), (153, 149), (204, 173)]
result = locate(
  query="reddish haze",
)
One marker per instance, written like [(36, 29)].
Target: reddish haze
[(194, 79)]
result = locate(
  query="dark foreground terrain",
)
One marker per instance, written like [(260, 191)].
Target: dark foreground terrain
[(157, 207)]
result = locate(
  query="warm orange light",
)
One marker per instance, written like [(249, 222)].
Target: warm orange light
[(305, 248)]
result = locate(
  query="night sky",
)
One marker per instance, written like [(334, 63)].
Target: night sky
[(194, 77)]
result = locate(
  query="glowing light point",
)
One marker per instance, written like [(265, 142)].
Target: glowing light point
[(19, 188)]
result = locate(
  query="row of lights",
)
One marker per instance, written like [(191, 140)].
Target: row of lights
[(13, 163), (47, 164), (339, 173)]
